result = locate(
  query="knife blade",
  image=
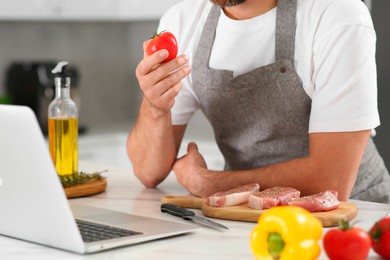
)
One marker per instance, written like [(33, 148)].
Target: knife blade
[(190, 215)]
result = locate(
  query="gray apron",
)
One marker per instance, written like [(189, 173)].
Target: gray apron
[(262, 117)]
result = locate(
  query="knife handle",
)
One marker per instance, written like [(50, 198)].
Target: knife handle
[(177, 211)]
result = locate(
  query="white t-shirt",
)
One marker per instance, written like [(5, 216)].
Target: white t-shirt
[(334, 57)]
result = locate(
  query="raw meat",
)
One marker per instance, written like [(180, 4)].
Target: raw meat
[(232, 197), (272, 197), (322, 201)]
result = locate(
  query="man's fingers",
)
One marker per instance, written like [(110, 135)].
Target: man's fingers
[(149, 63), (160, 81), (173, 79), (172, 92), (192, 146), (170, 67), (144, 47)]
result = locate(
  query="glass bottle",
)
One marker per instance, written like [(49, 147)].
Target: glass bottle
[(63, 124)]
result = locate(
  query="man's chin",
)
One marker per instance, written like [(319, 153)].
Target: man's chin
[(227, 3)]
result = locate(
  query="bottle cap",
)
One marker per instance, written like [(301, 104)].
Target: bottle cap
[(60, 69)]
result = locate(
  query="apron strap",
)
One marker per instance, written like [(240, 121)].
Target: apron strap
[(208, 35), (284, 38), (285, 29)]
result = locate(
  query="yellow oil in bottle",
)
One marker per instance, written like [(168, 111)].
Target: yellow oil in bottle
[(63, 144)]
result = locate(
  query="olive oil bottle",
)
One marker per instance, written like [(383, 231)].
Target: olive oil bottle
[(63, 124)]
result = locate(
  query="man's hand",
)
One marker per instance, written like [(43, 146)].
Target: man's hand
[(160, 82), (191, 172)]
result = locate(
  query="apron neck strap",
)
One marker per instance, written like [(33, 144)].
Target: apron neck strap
[(208, 35), (285, 29)]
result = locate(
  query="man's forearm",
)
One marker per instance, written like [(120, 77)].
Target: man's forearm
[(332, 164), (151, 146), (302, 174)]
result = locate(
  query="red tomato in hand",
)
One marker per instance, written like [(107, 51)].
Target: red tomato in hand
[(163, 40), (380, 237), (346, 242)]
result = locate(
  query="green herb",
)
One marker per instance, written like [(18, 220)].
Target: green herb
[(80, 178)]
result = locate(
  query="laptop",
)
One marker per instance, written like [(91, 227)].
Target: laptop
[(34, 207)]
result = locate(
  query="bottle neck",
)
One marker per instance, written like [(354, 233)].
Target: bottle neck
[(62, 87)]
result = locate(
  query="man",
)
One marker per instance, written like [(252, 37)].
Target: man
[(289, 87)]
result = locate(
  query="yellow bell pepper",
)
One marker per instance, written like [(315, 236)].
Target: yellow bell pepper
[(286, 232)]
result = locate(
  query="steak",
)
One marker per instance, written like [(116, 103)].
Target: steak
[(272, 197), (322, 201), (232, 197)]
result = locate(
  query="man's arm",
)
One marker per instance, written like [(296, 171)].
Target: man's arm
[(332, 164), (152, 147), (153, 143)]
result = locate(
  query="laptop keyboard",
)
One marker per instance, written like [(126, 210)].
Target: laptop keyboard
[(91, 232)]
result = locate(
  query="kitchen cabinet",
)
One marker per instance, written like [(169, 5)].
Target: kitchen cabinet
[(83, 10)]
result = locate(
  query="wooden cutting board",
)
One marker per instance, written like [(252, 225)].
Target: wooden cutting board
[(86, 189), (346, 211)]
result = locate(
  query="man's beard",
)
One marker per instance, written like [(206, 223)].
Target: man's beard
[(227, 3)]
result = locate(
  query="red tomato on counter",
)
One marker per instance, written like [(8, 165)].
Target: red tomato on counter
[(380, 237), (163, 40), (347, 243)]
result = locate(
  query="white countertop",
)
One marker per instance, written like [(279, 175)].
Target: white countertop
[(125, 193)]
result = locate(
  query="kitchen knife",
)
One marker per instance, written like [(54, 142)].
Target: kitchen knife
[(190, 215)]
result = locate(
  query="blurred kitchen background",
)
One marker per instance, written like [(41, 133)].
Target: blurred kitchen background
[(102, 40)]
